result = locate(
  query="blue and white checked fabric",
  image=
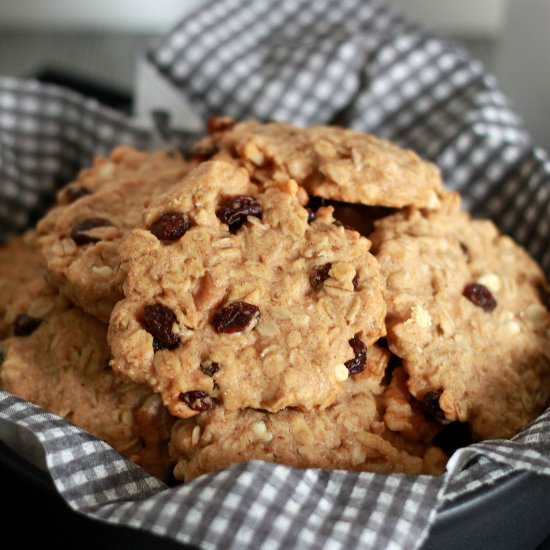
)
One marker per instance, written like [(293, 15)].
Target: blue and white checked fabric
[(356, 63)]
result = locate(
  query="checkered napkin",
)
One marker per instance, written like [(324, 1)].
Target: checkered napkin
[(352, 62)]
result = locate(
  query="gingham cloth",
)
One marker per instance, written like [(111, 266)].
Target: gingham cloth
[(352, 62)]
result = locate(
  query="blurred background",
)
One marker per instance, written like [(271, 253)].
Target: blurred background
[(94, 46)]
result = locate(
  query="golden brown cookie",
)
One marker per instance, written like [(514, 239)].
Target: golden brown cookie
[(329, 162), (57, 357), (349, 434), (233, 299), (25, 297), (465, 315), (79, 238)]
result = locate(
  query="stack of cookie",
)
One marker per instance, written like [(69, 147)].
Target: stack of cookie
[(313, 297)]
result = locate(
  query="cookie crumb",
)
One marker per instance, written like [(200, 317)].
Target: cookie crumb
[(537, 314), (358, 456), (512, 328), (107, 170), (40, 307), (102, 270), (179, 469), (491, 281), (68, 247), (267, 328), (341, 372), (253, 154), (195, 435), (420, 316), (433, 201), (259, 429)]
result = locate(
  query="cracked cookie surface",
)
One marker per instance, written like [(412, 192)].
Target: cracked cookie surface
[(329, 162), (465, 315), (350, 434), (80, 236), (251, 306), (57, 357)]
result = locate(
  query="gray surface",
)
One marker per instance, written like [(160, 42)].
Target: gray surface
[(108, 57)]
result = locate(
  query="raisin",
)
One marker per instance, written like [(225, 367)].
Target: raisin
[(24, 325), (171, 226), (319, 275), (357, 364), (234, 211), (78, 234), (310, 215), (2, 356), (158, 345), (210, 369), (220, 124), (76, 192), (205, 152), (158, 321), (431, 407), (198, 401), (480, 296), (235, 317), (355, 281)]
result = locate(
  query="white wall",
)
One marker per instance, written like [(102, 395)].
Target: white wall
[(131, 15), (522, 65), (471, 17)]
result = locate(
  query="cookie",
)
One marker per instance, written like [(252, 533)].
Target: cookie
[(349, 435), (25, 297), (329, 162), (234, 300), (79, 238), (57, 357), (466, 317)]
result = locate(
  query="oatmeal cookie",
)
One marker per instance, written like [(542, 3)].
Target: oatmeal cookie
[(349, 434), (79, 238), (328, 161), (465, 315), (57, 357), (20, 268), (234, 299)]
